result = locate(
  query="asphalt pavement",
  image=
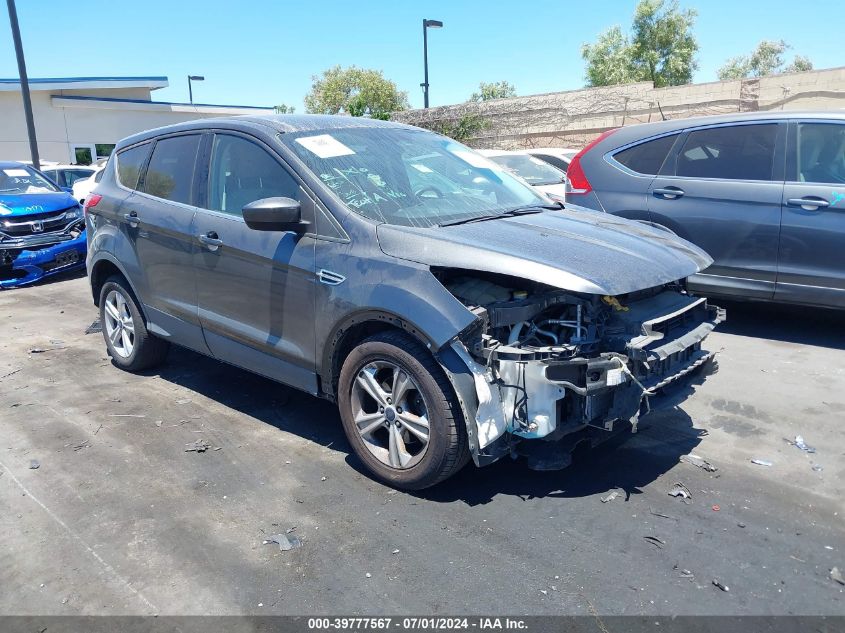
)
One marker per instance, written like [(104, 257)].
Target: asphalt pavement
[(118, 518)]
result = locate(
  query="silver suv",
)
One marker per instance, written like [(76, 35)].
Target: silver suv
[(763, 193), (451, 311)]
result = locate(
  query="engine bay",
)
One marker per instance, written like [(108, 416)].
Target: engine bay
[(557, 362)]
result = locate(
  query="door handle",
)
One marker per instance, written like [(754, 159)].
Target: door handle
[(808, 204), (132, 219), (211, 240), (669, 193)]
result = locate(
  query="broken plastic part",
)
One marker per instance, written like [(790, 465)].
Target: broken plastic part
[(285, 542)]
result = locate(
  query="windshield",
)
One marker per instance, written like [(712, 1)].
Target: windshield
[(409, 177), (24, 180), (533, 170)]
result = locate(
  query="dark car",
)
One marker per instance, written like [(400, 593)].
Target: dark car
[(448, 309), (42, 232), (762, 193)]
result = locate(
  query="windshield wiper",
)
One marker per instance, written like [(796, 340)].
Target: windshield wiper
[(530, 209)]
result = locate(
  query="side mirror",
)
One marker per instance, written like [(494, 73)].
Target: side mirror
[(274, 214)]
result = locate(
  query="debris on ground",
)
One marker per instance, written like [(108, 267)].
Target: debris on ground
[(396, 551), (82, 444), (322, 478), (368, 575), (183, 401), (836, 575), (818, 468), (127, 415), (610, 497), (798, 442), (699, 462), (95, 328), (200, 446), (11, 373), (663, 516), (657, 542), (284, 541), (742, 525), (762, 462), (716, 508), (680, 490), (34, 464), (720, 585), (686, 573)]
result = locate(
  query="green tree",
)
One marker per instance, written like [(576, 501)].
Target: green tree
[(766, 59), (355, 91), (661, 48), (493, 90), (283, 108)]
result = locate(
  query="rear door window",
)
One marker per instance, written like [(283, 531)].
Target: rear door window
[(130, 162), (647, 158), (820, 154), (731, 152), (170, 175)]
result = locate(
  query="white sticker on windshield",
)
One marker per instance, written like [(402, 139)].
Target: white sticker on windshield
[(18, 173), (324, 146), (420, 167), (476, 160)]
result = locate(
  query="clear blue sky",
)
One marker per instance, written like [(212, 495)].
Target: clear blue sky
[(264, 52)]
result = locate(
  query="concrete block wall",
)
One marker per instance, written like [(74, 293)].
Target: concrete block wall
[(573, 118)]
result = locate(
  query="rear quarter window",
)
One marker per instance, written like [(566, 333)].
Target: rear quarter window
[(130, 162), (646, 158)]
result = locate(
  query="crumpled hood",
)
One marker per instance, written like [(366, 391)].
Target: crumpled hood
[(574, 249), (31, 203)]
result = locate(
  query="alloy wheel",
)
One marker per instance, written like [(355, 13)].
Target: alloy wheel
[(120, 327), (390, 414)]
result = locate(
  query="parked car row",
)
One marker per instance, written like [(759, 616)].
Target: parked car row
[(444, 298)]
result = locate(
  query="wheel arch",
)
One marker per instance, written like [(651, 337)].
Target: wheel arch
[(353, 329), (103, 268)]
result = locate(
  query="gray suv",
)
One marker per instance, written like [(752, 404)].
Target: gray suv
[(451, 311), (762, 193)]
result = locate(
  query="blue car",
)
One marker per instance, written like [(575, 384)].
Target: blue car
[(42, 229)]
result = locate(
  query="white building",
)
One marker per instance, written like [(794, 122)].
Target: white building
[(79, 119)]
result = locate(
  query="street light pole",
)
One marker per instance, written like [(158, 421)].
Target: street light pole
[(27, 102), (190, 90), (427, 24)]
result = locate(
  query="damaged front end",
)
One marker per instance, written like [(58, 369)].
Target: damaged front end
[(38, 245), (552, 365)]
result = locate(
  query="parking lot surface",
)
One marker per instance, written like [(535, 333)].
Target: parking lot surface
[(119, 519)]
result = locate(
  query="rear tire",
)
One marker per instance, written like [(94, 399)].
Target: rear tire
[(400, 412), (129, 344)]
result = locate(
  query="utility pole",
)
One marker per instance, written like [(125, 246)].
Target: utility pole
[(27, 102)]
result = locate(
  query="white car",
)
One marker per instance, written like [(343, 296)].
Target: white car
[(83, 187), (537, 173), (559, 157), (66, 175)]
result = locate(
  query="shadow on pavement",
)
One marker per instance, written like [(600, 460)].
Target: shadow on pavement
[(270, 402), (790, 324), (627, 462)]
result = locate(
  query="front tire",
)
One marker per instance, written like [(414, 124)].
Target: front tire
[(130, 345), (400, 413)]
